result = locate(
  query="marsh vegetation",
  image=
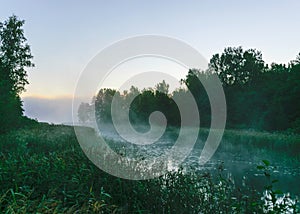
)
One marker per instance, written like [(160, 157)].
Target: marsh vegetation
[(43, 169)]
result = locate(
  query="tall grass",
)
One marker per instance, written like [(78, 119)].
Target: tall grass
[(43, 170), (284, 143)]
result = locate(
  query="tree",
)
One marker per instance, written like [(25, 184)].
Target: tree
[(236, 67), (15, 53), (193, 83), (103, 103), (84, 112), (162, 87), (295, 61), (258, 97), (15, 57)]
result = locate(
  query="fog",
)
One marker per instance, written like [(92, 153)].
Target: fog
[(237, 157), (51, 110), (240, 161)]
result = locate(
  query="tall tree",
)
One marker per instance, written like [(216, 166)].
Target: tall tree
[(236, 66), (15, 57), (15, 52), (193, 83), (103, 104), (162, 87)]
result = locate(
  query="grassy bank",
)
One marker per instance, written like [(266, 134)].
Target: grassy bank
[(286, 144), (43, 170)]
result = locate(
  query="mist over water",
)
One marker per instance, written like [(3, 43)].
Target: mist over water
[(236, 161), (50, 110)]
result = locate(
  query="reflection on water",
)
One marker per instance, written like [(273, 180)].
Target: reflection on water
[(238, 162)]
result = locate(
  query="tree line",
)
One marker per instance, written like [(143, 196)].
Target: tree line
[(258, 96)]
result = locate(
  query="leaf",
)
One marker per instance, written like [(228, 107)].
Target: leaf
[(266, 162), (254, 204), (260, 167), (107, 195), (275, 181)]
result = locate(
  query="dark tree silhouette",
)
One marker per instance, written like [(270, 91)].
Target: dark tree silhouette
[(15, 57), (236, 66), (258, 96)]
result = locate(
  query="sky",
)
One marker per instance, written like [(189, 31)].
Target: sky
[(65, 35)]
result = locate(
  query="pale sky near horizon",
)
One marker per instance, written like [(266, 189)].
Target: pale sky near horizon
[(65, 35)]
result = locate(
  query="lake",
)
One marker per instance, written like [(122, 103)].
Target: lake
[(236, 158)]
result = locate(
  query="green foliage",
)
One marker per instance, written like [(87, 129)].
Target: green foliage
[(15, 57), (43, 170), (236, 66), (199, 93), (143, 104), (275, 142), (10, 111), (14, 53), (258, 97), (103, 102), (274, 199)]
